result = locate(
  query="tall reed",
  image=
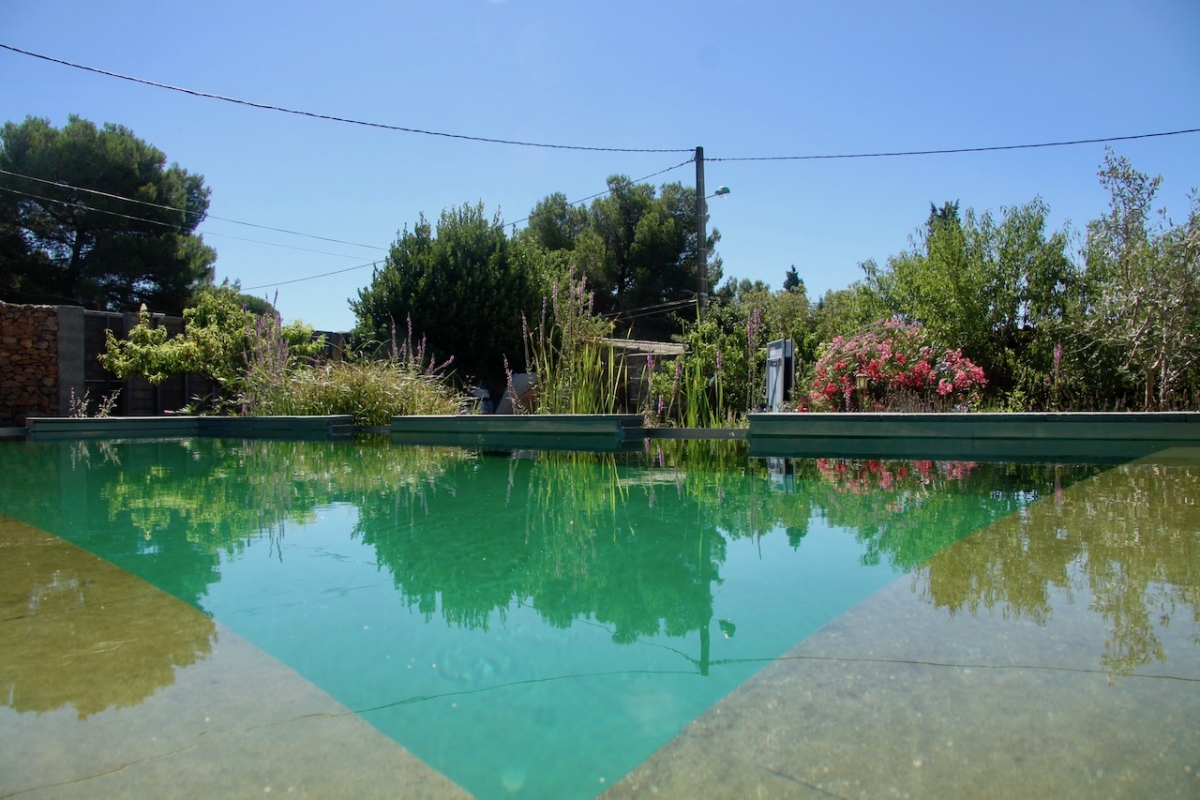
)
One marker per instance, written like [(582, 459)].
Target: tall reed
[(578, 371)]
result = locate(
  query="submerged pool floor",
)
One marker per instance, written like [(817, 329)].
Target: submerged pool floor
[(1052, 652), (91, 713)]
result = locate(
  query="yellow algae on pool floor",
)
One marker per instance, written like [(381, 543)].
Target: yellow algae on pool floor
[(1052, 654), (112, 688)]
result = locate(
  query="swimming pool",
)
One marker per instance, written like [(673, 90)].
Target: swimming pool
[(208, 616)]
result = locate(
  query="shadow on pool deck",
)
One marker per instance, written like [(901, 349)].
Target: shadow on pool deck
[(112, 688)]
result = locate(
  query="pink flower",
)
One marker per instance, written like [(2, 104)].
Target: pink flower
[(944, 387)]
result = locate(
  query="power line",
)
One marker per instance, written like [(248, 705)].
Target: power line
[(607, 191), (61, 185), (519, 143), (654, 309), (332, 118), (85, 207), (284, 246), (514, 224), (91, 208), (950, 151), (311, 277)]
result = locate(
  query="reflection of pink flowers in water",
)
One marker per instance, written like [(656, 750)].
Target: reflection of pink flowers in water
[(859, 477)]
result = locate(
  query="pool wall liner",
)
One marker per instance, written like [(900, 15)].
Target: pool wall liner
[(989, 435), (974, 436), (323, 427)]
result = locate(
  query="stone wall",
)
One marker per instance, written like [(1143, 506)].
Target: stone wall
[(28, 363)]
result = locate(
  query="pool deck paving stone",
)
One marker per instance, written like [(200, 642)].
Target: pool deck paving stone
[(900, 698), (895, 700), (216, 717)]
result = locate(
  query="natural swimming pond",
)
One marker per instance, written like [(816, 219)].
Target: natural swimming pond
[(211, 616)]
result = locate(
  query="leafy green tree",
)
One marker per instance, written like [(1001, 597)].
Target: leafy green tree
[(462, 286), (998, 290), (555, 224), (637, 248), (844, 312), (1139, 321), (68, 235), (792, 281)]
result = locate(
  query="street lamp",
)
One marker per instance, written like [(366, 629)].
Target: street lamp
[(702, 229)]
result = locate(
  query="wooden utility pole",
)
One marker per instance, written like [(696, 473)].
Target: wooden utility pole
[(702, 244)]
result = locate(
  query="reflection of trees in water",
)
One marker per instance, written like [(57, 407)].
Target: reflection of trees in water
[(81, 632), (224, 493), (1127, 543), (563, 533), (637, 541), (906, 511)]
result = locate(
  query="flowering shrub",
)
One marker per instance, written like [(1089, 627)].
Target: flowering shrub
[(900, 364)]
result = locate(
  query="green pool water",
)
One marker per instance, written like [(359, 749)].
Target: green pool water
[(541, 624)]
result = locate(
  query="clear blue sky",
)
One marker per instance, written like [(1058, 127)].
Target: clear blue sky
[(739, 78)]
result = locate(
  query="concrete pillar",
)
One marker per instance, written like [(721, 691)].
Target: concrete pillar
[(70, 357)]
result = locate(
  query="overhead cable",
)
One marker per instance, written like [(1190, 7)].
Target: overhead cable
[(657, 308), (607, 191), (519, 143), (332, 118), (85, 207), (514, 224), (72, 187), (949, 151), (309, 278)]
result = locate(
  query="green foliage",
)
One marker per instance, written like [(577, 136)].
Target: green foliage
[(715, 381), (998, 290), (1138, 326), (264, 367), (370, 390), (841, 312), (792, 281), (463, 286), (637, 248), (578, 371), (217, 341), (60, 243)]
